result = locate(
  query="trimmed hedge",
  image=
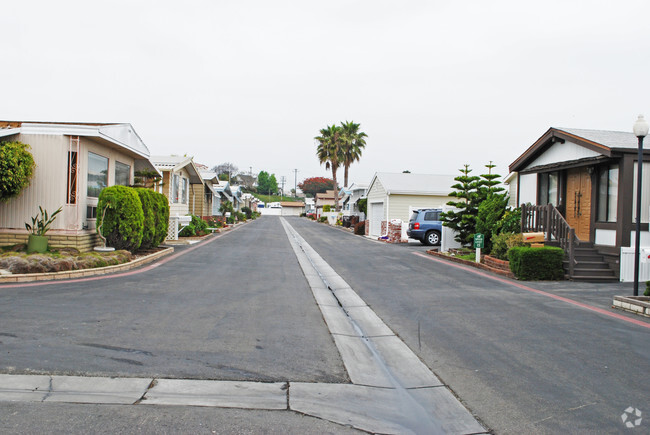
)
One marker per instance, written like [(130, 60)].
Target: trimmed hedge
[(149, 223), (124, 221), (536, 263), (161, 217)]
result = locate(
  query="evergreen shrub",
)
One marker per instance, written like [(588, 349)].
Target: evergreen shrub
[(360, 228), (327, 208), (536, 263), (149, 224), (16, 169), (501, 243), (161, 217), (124, 220)]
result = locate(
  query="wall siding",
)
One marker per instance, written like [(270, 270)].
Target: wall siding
[(399, 204)]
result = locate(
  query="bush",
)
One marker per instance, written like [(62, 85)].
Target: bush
[(322, 219), (161, 217), (510, 222), (197, 227), (124, 220), (149, 224), (247, 211), (16, 169), (360, 228), (647, 289), (490, 212), (327, 208), (536, 263), (503, 242)]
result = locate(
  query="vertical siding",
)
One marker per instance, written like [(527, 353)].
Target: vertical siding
[(47, 186), (49, 183)]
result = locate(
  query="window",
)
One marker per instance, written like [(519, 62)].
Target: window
[(432, 216), (548, 188), (175, 188), (71, 193), (607, 193), (91, 212), (97, 174), (122, 174), (184, 191)]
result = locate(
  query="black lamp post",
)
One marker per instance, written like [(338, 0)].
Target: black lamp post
[(640, 131)]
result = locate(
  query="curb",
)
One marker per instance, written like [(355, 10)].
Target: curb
[(71, 274), (501, 272)]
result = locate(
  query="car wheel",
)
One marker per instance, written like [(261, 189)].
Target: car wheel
[(432, 238)]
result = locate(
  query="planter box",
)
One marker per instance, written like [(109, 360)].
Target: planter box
[(635, 304)]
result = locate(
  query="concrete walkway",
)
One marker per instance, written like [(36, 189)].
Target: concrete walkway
[(392, 391)]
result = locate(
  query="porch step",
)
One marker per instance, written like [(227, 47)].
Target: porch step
[(590, 266)]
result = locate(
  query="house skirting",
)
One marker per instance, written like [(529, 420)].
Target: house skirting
[(84, 241)]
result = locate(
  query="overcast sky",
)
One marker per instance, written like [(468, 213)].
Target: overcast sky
[(434, 84)]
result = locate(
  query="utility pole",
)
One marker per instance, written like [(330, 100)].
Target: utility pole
[(283, 179), (295, 183)]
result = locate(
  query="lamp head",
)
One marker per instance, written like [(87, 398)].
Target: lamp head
[(640, 127)]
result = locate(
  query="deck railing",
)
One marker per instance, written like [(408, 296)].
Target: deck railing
[(547, 219)]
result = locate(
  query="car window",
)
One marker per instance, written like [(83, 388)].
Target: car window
[(414, 216), (432, 216)]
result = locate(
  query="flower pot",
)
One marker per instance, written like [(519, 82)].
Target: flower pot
[(36, 244)]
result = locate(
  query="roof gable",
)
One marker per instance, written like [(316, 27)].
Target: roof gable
[(599, 142), (414, 184)]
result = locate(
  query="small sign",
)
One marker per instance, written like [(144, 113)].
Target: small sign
[(479, 241)]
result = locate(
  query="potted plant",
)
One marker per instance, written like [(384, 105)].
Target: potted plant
[(37, 241)]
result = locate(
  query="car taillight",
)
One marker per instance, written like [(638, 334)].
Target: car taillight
[(416, 226)]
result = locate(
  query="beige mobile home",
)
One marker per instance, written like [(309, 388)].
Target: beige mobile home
[(394, 196), (74, 162)]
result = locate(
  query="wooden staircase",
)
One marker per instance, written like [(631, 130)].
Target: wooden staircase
[(582, 261), (589, 265)]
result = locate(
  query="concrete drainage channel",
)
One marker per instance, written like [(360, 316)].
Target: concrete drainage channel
[(392, 391)]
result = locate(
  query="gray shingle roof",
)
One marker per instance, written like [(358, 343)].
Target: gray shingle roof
[(416, 184), (611, 139)]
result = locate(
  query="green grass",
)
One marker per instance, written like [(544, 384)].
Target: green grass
[(276, 198)]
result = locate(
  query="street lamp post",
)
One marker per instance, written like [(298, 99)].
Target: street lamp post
[(640, 131)]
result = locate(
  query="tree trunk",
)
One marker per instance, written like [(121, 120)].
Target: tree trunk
[(345, 176), (336, 189)]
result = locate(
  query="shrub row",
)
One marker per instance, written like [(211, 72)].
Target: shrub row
[(536, 263), (132, 218)]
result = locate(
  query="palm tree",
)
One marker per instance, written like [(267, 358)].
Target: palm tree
[(330, 152), (353, 143)]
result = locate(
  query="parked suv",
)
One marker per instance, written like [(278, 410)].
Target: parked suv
[(425, 226)]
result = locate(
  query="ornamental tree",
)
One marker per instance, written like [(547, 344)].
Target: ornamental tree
[(16, 169), (312, 186)]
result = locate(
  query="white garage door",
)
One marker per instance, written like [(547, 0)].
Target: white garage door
[(376, 216)]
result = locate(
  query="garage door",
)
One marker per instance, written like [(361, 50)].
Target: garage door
[(376, 216)]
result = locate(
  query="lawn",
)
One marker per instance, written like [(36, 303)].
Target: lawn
[(276, 198)]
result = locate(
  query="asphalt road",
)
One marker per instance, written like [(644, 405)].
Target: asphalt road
[(239, 308), (521, 361)]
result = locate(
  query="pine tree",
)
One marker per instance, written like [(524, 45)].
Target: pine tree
[(463, 220)]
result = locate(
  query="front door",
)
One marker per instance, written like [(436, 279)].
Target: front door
[(578, 201)]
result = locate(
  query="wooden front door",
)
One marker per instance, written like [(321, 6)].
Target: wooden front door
[(578, 201)]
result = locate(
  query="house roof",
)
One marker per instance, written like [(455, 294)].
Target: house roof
[(414, 184), (292, 204), (120, 135), (176, 163), (328, 194), (602, 142)]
